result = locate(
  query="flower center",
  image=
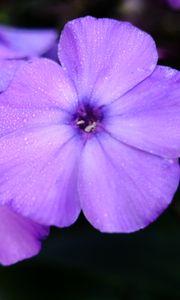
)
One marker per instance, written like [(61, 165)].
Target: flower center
[(88, 118)]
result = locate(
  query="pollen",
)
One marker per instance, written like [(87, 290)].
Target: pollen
[(87, 119), (90, 127)]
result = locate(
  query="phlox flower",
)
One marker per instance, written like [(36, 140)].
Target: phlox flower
[(98, 133)]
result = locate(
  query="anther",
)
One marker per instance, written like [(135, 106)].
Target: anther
[(90, 127)]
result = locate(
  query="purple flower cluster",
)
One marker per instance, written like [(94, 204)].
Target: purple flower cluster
[(98, 134)]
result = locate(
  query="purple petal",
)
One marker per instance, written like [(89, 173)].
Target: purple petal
[(148, 116), (20, 43), (19, 237), (41, 84), (38, 97), (38, 170), (123, 189), (7, 71), (6, 52), (39, 155), (52, 53), (105, 58)]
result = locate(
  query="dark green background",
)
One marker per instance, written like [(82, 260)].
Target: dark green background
[(79, 262)]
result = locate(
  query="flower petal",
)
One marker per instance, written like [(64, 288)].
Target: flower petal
[(52, 53), (38, 174), (148, 116), (42, 95), (105, 58), (38, 157), (7, 71), (19, 237), (123, 189), (21, 43), (41, 83)]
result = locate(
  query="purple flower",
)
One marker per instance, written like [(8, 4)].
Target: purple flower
[(24, 43), (175, 4), (100, 133)]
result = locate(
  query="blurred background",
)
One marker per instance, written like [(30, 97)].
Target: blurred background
[(79, 262)]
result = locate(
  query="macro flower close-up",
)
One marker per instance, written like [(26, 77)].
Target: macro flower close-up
[(97, 133)]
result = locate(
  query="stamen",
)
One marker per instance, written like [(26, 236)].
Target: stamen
[(88, 118), (80, 122), (90, 127)]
